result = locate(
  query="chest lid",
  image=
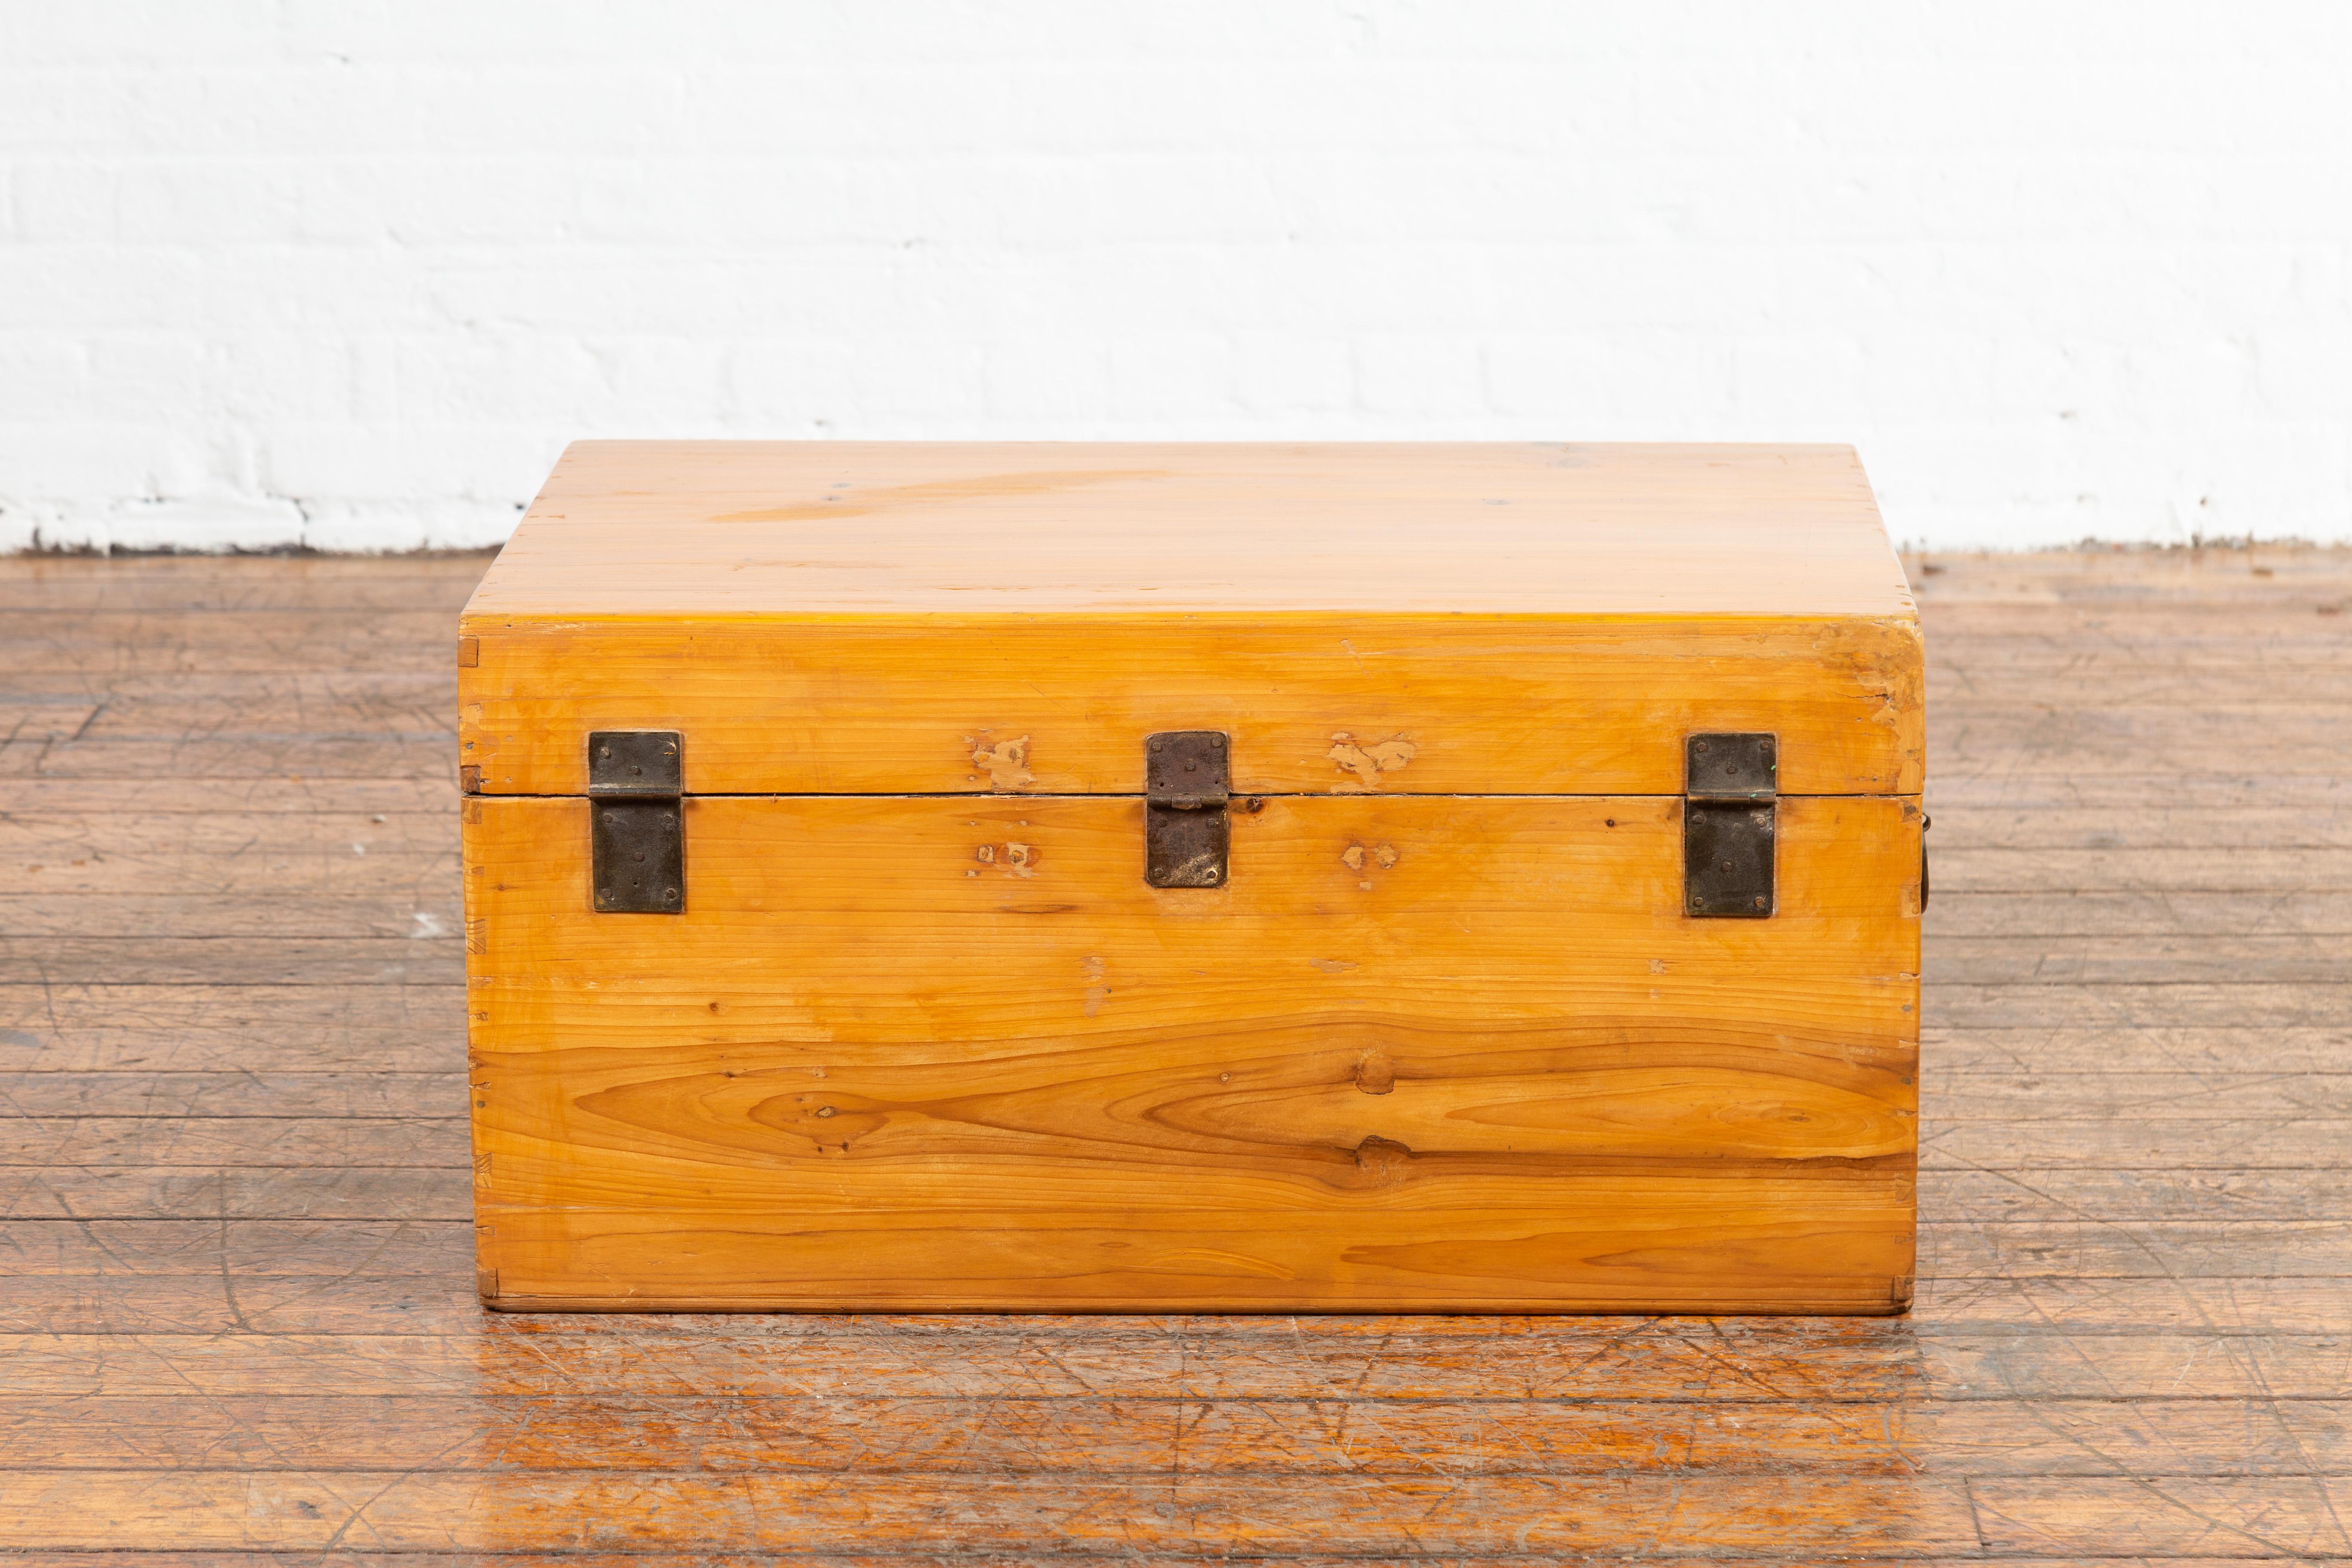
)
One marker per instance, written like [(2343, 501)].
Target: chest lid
[(858, 618)]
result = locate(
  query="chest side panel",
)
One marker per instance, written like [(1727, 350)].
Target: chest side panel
[(1418, 1052), (1430, 704)]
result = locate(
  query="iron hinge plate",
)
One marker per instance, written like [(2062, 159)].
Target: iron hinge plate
[(1187, 789), (1730, 813), (637, 815)]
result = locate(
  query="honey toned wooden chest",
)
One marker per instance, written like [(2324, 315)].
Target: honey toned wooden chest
[(1253, 878)]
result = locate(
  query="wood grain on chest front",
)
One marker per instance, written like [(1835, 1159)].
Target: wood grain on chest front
[(1394, 704), (1421, 1051)]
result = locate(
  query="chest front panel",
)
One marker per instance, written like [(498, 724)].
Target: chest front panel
[(1416, 1052)]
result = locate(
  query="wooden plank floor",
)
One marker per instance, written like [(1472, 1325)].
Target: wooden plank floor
[(237, 1312)]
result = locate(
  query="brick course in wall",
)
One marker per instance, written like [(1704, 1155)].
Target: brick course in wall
[(349, 275)]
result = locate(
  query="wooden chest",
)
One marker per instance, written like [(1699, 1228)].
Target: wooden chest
[(1040, 878)]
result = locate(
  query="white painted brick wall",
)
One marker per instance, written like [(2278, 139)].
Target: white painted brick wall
[(350, 274)]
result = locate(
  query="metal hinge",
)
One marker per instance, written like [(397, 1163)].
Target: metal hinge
[(1187, 789), (636, 821), (1730, 789)]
